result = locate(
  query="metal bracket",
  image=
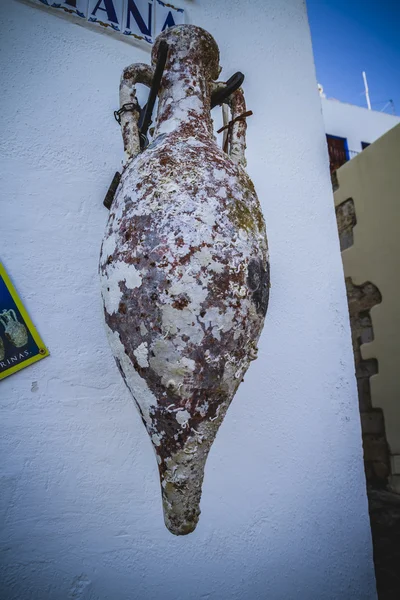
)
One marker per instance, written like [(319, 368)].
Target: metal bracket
[(233, 84), (111, 190), (147, 111)]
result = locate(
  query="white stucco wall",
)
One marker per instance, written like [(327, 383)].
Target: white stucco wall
[(284, 509), (355, 123)]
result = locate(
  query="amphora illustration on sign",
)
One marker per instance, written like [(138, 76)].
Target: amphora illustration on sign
[(184, 262), (15, 331)]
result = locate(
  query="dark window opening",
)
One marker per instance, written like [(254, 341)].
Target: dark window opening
[(365, 145), (338, 151)]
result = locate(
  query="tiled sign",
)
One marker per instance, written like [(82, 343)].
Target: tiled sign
[(140, 19), (166, 16)]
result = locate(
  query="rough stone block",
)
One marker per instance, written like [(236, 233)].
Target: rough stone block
[(372, 423), (346, 220), (381, 470), (364, 394), (367, 368), (375, 448)]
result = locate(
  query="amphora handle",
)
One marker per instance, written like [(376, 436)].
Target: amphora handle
[(131, 118), (130, 110), (13, 315), (234, 141), (5, 318)]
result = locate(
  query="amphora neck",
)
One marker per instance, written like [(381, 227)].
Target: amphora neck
[(185, 97)]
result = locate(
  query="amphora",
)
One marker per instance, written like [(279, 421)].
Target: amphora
[(184, 266), (15, 331)]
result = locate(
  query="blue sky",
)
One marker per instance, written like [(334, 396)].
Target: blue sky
[(351, 36)]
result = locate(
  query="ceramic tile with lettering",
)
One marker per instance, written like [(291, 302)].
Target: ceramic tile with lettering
[(167, 15), (138, 19), (74, 7), (107, 13)]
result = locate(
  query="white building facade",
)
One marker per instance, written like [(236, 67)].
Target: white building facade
[(354, 127), (284, 507)]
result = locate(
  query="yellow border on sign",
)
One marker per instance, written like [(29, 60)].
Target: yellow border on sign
[(43, 351)]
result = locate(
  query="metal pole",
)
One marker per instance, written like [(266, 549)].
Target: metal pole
[(366, 90)]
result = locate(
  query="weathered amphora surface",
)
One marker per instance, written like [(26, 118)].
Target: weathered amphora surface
[(184, 268)]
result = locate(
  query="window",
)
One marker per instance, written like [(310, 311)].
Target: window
[(365, 145), (338, 151)]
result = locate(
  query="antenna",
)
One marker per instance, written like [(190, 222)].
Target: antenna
[(366, 90)]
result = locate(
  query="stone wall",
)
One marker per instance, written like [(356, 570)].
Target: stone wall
[(366, 199)]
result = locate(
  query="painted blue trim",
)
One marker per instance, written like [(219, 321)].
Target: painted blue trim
[(170, 6)]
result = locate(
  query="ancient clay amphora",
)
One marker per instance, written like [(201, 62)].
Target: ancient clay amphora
[(184, 267), (15, 331)]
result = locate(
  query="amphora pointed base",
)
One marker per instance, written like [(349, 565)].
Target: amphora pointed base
[(182, 474), (181, 488)]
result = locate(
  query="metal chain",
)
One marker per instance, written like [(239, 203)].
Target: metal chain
[(128, 107)]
